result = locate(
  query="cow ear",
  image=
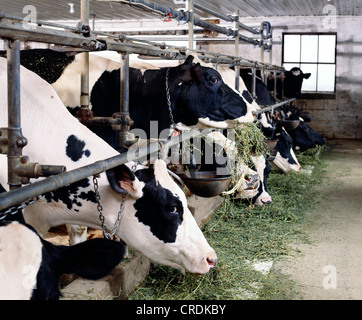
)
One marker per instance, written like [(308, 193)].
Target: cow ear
[(196, 73), (121, 179), (306, 75), (189, 59)]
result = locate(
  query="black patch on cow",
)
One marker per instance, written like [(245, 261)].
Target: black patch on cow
[(246, 95), (72, 194), (47, 64), (158, 208), (74, 149)]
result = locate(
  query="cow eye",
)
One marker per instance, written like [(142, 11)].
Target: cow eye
[(214, 80), (173, 210)]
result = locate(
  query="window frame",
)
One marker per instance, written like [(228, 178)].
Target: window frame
[(314, 94)]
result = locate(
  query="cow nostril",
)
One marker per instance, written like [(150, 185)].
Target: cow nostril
[(212, 262), (266, 201)]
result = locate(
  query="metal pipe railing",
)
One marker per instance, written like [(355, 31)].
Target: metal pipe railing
[(142, 4), (271, 108), (13, 29), (226, 18), (14, 197)]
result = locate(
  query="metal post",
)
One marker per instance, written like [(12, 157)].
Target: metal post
[(84, 77), (236, 53), (253, 84), (275, 84), (126, 121), (15, 138), (190, 10), (20, 170)]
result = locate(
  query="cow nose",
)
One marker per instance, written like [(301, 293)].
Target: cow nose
[(212, 262)]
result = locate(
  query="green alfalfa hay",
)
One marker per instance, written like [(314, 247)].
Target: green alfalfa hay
[(249, 140)]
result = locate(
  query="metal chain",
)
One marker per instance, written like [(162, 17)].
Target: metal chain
[(169, 104), (106, 233), (21, 206)]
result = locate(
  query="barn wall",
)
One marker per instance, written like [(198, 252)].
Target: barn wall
[(340, 117)]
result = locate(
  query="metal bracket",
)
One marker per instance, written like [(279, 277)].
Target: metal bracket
[(4, 141)]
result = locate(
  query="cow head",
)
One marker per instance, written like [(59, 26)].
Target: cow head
[(202, 94), (263, 168), (156, 220), (285, 158), (293, 82)]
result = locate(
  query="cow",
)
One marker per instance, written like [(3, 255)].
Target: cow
[(303, 136), (30, 266), (293, 81), (155, 219)]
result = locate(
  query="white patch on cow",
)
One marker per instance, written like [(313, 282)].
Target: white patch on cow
[(296, 73), (20, 259), (264, 121), (284, 165)]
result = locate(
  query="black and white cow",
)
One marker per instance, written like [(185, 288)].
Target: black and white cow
[(155, 221), (293, 81), (303, 136), (30, 267)]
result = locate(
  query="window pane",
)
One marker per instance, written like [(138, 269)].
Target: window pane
[(311, 83), (309, 52), (327, 48), (326, 77), (291, 48)]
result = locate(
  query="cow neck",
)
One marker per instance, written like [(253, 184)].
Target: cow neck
[(169, 103)]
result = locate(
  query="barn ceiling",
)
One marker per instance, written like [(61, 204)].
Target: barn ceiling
[(60, 9)]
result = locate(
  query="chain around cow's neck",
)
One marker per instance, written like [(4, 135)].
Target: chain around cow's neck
[(169, 104), (110, 235)]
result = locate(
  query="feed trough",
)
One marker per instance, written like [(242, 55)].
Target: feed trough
[(270, 143), (206, 183), (290, 124)]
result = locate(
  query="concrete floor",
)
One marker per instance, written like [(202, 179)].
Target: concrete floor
[(331, 266)]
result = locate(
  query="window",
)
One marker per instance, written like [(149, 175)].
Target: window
[(313, 53)]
